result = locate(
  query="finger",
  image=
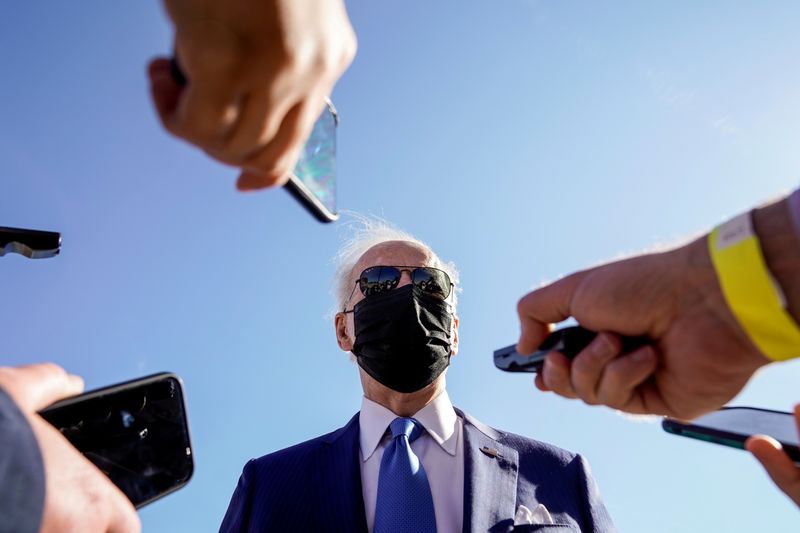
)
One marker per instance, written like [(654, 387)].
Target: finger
[(259, 122), (206, 112), (623, 376), (777, 463), (273, 164), (123, 517), (539, 382), (164, 90), (254, 181), (34, 387), (544, 306), (556, 375), (587, 367)]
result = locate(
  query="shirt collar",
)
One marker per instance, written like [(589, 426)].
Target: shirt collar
[(438, 417)]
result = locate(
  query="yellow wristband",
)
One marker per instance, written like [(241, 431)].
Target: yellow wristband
[(752, 295)]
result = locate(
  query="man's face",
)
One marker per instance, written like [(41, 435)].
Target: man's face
[(389, 253)]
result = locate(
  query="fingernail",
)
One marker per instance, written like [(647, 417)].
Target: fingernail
[(602, 346), (775, 444), (76, 381), (640, 356)]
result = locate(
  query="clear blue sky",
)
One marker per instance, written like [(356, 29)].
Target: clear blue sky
[(521, 139)]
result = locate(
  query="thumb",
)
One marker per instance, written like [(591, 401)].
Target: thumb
[(252, 181), (123, 517), (34, 387), (164, 90), (775, 461), (539, 308)]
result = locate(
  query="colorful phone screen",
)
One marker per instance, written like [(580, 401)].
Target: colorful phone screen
[(316, 168)]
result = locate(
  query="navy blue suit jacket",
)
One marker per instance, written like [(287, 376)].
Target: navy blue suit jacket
[(316, 486)]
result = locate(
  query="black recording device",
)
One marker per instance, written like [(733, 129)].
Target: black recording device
[(33, 244), (136, 432), (570, 341)]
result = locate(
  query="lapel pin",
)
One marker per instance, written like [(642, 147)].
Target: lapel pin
[(490, 452)]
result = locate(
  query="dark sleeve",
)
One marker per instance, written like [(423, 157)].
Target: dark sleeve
[(595, 514), (237, 518), (21, 472)]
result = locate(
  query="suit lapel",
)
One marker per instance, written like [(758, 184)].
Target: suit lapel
[(341, 501), (490, 478)]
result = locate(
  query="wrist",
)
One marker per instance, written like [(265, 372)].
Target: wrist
[(793, 205), (747, 279), (780, 245), (701, 277)]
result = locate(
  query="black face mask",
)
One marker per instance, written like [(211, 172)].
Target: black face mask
[(403, 337)]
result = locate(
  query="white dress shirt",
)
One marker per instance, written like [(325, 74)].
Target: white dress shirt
[(440, 450)]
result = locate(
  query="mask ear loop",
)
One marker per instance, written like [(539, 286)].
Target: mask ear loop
[(344, 309)]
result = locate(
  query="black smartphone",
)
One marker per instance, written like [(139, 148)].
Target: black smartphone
[(136, 432), (731, 426), (570, 341), (313, 181), (33, 244)]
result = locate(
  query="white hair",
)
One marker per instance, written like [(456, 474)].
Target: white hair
[(366, 232)]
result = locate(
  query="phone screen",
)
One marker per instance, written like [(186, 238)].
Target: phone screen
[(314, 176), (744, 421), (731, 426), (136, 433)]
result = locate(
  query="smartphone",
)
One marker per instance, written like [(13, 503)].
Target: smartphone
[(136, 432), (731, 426), (570, 341), (33, 244), (313, 181)]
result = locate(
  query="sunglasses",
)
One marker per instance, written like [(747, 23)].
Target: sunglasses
[(378, 279)]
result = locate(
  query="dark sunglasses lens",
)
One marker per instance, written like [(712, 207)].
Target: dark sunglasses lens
[(432, 280), (376, 280)]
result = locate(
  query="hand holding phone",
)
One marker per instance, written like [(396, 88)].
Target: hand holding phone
[(313, 180), (77, 496), (777, 462), (136, 432)]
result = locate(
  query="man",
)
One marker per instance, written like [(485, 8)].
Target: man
[(409, 461), (48, 486)]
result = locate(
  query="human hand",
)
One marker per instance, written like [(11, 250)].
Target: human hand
[(259, 72), (699, 357), (78, 497), (780, 467)]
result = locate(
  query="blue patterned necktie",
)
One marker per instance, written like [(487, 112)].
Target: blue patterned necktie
[(404, 496)]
